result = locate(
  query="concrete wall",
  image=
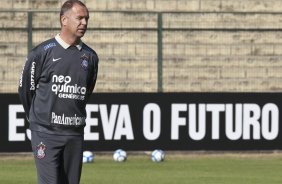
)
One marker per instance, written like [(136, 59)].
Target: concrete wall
[(156, 5), (216, 46)]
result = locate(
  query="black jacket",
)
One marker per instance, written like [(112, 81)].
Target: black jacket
[(55, 85)]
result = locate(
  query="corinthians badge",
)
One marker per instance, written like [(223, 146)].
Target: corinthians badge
[(84, 62), (40, 150)]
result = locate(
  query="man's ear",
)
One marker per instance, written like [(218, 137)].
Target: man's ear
[(64, 20)]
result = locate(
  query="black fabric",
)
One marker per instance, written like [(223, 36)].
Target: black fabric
[(55, 86), (51, 152)]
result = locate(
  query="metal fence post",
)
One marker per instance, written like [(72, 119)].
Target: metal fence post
[(160, 53), (29, 29)]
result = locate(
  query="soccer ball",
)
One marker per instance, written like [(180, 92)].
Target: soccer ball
[(88, 157), (120, 155), (157, 156)]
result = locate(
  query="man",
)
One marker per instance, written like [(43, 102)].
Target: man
[(58, 77)]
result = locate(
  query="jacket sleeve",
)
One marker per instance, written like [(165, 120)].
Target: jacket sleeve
[(95, 74), (28, 82)]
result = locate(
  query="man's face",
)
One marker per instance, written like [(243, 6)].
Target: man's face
[(75, 21)]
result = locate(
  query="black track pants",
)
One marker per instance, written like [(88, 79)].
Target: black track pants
[(58, 158)]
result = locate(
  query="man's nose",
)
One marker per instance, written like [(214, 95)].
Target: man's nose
[(84, 21)]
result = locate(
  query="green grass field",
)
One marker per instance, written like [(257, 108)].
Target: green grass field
[(176, 169)]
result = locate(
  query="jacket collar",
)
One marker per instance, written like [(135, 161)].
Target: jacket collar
[(66, 45)]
